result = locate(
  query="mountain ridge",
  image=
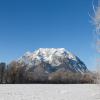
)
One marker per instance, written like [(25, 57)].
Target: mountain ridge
[(55, 58)]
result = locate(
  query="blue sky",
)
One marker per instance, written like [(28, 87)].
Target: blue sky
[(26, 25)]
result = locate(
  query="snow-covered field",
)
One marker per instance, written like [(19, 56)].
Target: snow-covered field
[(50, 92)]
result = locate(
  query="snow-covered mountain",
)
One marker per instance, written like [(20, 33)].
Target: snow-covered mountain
[(53, 59)]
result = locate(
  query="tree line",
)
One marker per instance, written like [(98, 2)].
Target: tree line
[(16, 73)]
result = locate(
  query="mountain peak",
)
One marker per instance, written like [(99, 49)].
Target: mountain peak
[(53, 56)]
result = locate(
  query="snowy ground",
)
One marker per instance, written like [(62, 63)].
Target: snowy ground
[(49, 92)]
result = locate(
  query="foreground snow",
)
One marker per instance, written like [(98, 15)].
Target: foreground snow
[(49, 92)]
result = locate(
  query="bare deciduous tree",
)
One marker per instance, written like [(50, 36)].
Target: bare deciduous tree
[(96, 22)]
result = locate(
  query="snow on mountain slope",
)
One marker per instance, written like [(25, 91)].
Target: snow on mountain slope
[(54, 57)]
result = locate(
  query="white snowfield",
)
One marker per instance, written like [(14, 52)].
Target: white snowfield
[(50, 92)]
